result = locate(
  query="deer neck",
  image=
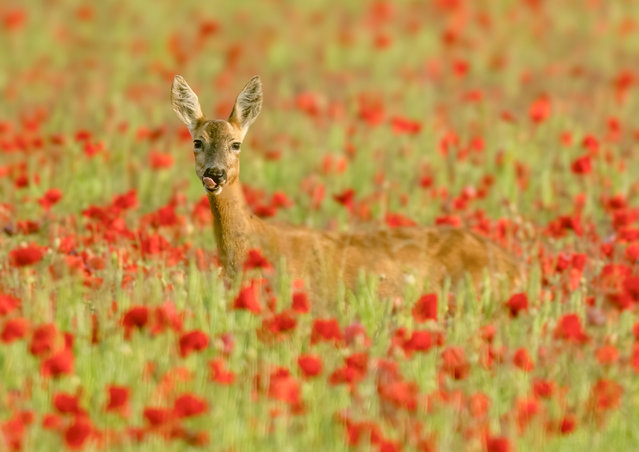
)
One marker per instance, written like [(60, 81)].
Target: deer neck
[(234, 227)]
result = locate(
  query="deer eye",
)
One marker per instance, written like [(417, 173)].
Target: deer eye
[(236, 146), (197, 144)]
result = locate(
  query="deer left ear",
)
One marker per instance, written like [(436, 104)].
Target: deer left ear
[(248, 105)]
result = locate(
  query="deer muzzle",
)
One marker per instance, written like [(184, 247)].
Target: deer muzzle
[(214, 179)]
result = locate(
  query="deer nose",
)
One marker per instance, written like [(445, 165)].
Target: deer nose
[(217, 174)]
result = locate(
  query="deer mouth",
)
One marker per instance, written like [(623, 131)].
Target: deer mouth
[(211, 186)]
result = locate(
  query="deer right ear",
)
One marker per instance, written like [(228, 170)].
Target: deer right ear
[(185, 103)]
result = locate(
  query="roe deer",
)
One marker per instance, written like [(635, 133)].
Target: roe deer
[(323, 259)]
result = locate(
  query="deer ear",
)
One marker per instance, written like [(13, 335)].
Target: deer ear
[(185, 103), (248, 105)]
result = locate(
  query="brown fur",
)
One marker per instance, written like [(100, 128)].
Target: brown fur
[(326, 259)]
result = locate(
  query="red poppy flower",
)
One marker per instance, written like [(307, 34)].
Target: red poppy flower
[(581, 165), (478, 404), (300, 303), (193, 341), (160, 160), (497, 444), (126, 201), (219, 374), (309, 103), (67, 403), (14, 19), (43, 339), (401, 394), (397, 220), (487, 333), (425, 308), (516, 303), (345, 374), (404, 125), (454, 363), (358, 361), (51, 197), (280, 323), (284, 387), (634, 359), (632, 252), (569, 328), (624, 80), (606, 395), (527, 409), (85, 13), (135, 317), (608, 354), (461, 68), (419, 341), (371, 111), (264, 211), (448, 220), (166, 316), (578, 261), (543, 388), (52, 421), (164, 216), (76, 435), (91, 149), (25, 256), (188, 405), (154, 244), (83, 135), (14, 329), (60, 363), (8, 303), (15, 428), (591, 144), (118, 398), (311, 365), (369, 430), (346, 198), (68, 339), (631, 287), (248, 298), (280, 200), (157, 416), (255, 259), (325, 330), (567, 424), (522, 360), (540, 109)]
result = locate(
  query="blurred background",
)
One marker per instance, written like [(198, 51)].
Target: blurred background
[(516, 118)]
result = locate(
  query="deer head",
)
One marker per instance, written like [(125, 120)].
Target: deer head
[(217, 143)]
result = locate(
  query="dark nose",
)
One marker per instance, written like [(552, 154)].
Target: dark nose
[(217, 174)]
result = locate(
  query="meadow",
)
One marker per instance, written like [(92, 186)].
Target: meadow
[(516, 119)]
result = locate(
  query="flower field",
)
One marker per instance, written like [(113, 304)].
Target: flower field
[(514, 118)]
